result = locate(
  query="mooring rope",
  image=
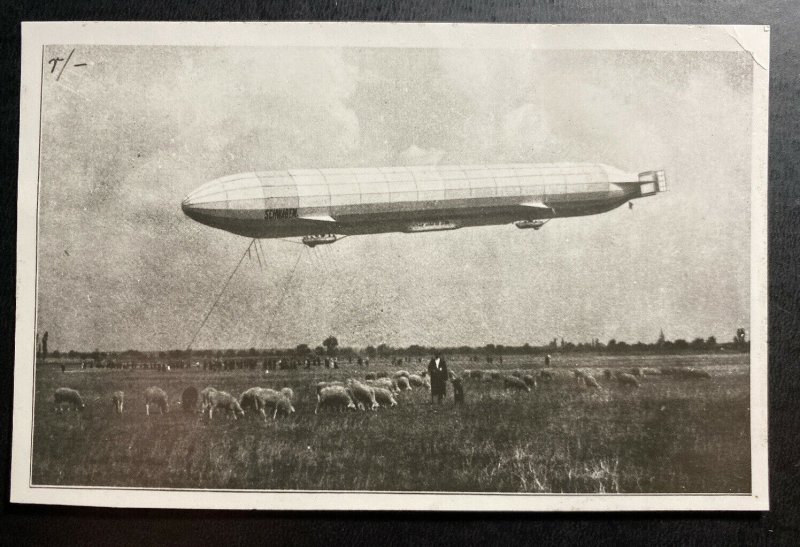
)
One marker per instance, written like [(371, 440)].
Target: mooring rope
[(216, 301)]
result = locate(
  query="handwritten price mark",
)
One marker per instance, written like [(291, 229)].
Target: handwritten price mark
[(54, 62)]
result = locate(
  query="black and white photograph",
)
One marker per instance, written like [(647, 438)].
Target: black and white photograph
[(407, 266)]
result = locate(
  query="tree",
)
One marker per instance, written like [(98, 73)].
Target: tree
[(319, 350), (711, 342), (661, 339), (383, 349), (738, 339), (302, 349), (371, 352), (331, 343)]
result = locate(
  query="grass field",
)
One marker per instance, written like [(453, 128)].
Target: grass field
[(670, 435)]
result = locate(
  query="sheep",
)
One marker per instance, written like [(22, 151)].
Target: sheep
[(386, 383), (321, 385), (415, 380), (529, 380), (403, 383), (512, 382), (205, 398), (337, 397), (363, 395), (382, 374), (288, 393), (647, 371), (384, 397), (627, 379), (118, 399), (546, 375), (636, 371), (608, 375), (155, 396), (400, 374), (69, 397), (224, 401), (189, 400), (590, 381), (370, 376), (274, 402), (249, 400), (476, 374)]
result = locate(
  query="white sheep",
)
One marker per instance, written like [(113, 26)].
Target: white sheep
[(384, 397), (336, 397), (403, 383), (205, 399), (363, 395), (118, 400), (415, 380), (627, 379), (155, 396), (224, 401), (386, 383), (400, 374), (288, 393), (530, 380), (69, 397)]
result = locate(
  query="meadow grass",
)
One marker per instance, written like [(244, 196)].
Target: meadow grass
[(669, 436)]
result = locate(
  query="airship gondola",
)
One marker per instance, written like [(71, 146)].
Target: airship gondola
[(317, 204)]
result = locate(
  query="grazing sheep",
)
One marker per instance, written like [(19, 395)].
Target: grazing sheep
[(647, 371), (334, 397), (249, 400), (69, 397), (627, 379), (205, 398), (189, 400), (384, 397), (590, 381), (155, 396), (321, 385), (288, 393), (415, 380), (400, 374), (386, 383), (403, 383), (529, 380), (224, 401), (370, 376), (363, 394), (382, 374), (512, 382), (275, 402), (118, 399), (458, 390), (546, 374)]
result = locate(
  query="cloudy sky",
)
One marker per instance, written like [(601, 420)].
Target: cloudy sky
[(126, 137)]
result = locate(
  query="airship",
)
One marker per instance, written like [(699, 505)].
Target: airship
[(323, 205)]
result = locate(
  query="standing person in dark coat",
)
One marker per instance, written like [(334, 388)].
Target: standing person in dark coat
[(437, 370)]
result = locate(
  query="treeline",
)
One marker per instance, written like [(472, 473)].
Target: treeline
[(331, 348)]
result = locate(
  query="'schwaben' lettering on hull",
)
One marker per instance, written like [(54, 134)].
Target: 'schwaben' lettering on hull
[(279, 214)]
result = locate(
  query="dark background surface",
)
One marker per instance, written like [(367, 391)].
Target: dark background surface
[(40, 524)]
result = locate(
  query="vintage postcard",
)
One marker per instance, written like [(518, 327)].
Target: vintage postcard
[(392, 266)]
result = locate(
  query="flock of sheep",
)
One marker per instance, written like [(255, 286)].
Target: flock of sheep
[(378, 389)]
